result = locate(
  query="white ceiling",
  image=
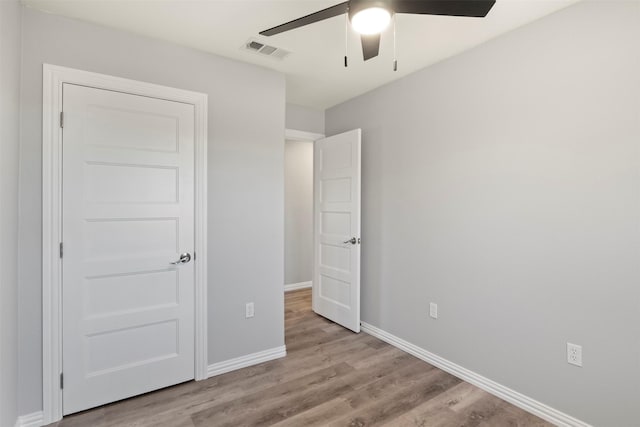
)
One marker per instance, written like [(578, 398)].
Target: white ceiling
[(315, 72)]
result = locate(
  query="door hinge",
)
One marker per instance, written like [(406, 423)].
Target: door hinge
[(61, 250), (61, 380), (194, 256), (61, 119)]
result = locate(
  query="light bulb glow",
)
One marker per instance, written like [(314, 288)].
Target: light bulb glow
[(371, 21)]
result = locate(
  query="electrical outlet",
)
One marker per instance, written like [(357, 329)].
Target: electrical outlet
[(433, 310), (574, 354), (249, 310)]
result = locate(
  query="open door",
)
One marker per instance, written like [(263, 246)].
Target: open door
[(336, 195)]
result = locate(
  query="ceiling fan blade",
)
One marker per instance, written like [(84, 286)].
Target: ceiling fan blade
[(370, 46), (473, 8), (327, 13)]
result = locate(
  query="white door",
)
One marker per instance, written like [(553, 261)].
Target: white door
[(128, 213), (336, 195)]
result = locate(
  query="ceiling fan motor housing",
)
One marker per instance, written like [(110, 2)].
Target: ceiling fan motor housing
[(356, 6)]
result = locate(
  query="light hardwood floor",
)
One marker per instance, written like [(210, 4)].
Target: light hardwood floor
[(330, 377)]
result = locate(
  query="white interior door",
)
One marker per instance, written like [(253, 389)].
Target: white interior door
[(128, 213), (336, 193)]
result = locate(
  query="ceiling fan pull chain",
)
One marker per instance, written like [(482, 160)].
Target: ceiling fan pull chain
[(395, 55), (346, 39)]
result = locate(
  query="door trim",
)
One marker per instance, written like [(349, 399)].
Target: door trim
[(53, 78), (301, 135)]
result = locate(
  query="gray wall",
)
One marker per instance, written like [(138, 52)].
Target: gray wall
[(246, 184), (504, 185), (298, 212), (304, 118), (10, 23)]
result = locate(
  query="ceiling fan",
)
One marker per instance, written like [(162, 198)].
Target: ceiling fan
[(370, 17)]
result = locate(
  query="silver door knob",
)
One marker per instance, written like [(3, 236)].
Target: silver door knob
[(184, 258), (352, 240)]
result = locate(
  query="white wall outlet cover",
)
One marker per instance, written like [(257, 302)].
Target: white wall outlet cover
[(574, 354), (433, 310), (249, 310)]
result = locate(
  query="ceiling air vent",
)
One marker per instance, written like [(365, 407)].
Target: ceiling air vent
[(266, 50)]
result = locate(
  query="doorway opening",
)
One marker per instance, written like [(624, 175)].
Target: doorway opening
[(298, 214)]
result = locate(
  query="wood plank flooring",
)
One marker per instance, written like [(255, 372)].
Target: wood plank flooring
[(330, 377)]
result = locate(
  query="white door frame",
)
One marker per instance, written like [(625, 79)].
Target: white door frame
[(302, 135), (53, 79)]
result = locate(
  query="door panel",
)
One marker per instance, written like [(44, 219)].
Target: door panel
[(105, 351), (110, 295), (336, 279), (144, 184), (128, 213), (335, 190)]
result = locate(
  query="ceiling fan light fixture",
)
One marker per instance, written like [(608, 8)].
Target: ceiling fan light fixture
[(371, 17), (372, 20)]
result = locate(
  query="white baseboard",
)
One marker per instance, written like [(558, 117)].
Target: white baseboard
[(35, 419), (296, 286), (245, 361), (518, 399)]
